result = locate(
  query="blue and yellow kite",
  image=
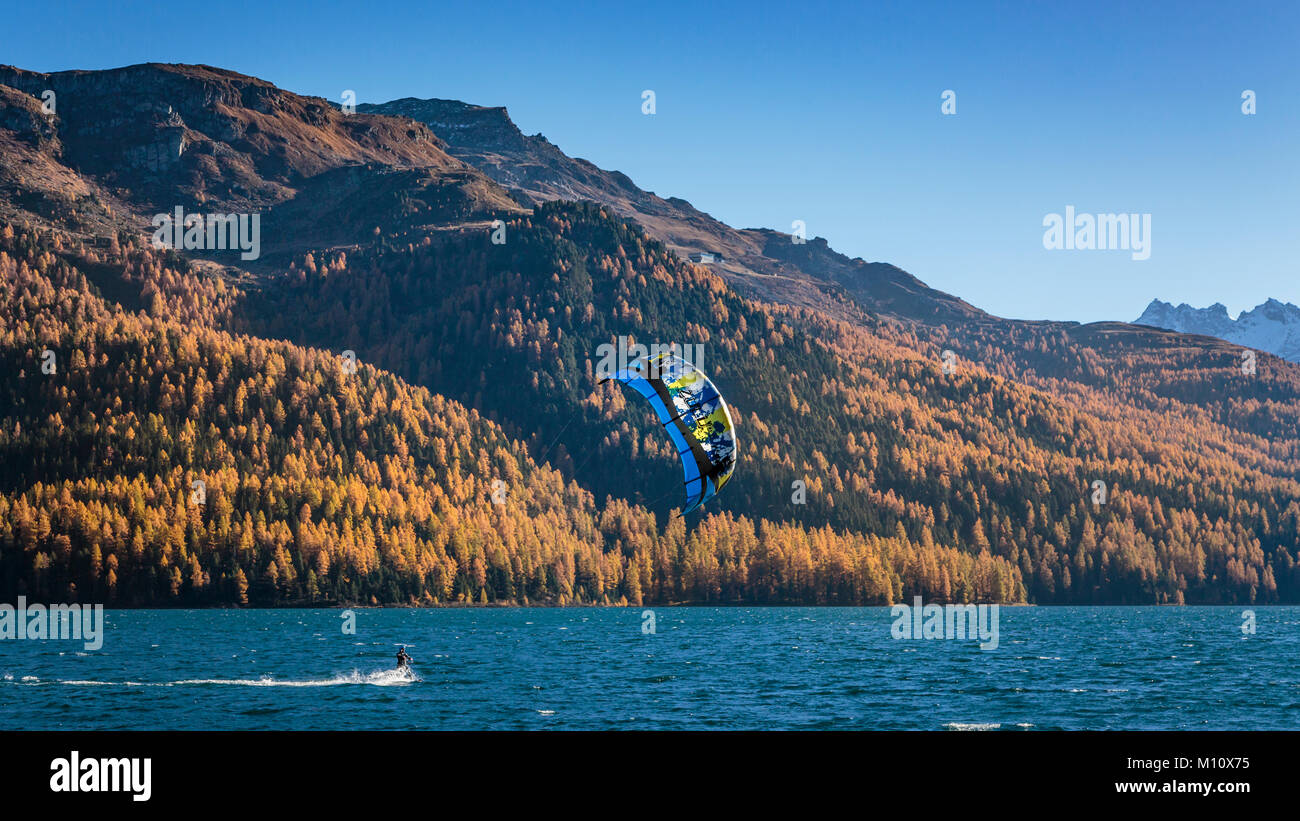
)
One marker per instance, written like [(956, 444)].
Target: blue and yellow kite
[(692, 411)]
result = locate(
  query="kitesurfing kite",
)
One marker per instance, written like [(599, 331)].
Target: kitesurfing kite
[(692, 411)]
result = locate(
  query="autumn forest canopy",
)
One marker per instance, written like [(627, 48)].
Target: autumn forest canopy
[(324, 486), (181, 429)]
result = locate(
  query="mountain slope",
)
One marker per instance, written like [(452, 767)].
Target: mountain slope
[(769, 265), (882, 440), (762, 262), (146, 139), (872, 463), (325, 485)]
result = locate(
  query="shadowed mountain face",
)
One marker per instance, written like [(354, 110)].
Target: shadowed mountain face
[(1273, 326), (762, 262)]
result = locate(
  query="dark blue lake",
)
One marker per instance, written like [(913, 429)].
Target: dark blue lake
[(703, 668)]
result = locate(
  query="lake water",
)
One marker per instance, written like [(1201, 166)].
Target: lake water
[(702, 668)]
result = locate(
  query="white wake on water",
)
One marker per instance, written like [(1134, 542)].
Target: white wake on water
[(379, 678), (972, 726)]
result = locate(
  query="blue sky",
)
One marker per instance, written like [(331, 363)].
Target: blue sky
[(830, 114)]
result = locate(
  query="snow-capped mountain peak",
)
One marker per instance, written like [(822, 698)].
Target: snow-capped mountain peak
[(1273, 326)]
